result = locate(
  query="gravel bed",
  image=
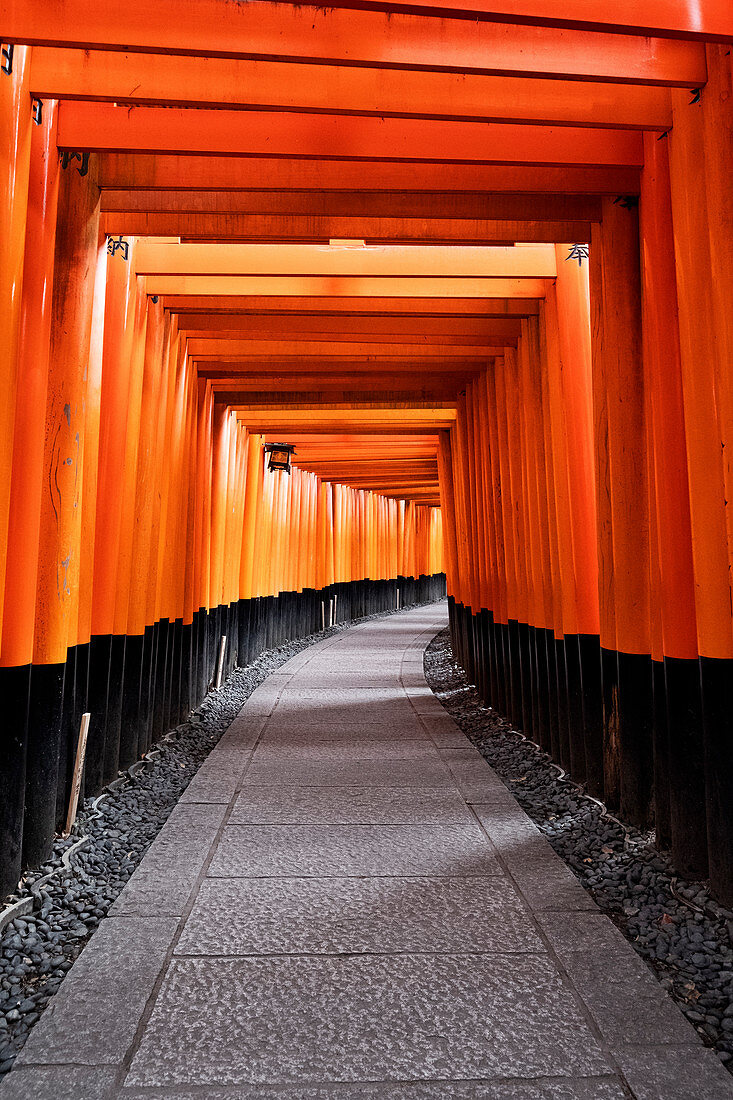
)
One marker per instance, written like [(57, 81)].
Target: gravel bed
[(684, 936), (37, 949)]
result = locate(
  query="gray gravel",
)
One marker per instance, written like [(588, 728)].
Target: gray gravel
[(685, 937), (37, 950)]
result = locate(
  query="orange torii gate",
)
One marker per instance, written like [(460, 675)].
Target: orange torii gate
[(475, 263)]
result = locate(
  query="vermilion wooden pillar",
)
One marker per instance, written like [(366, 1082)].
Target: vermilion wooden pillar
[(566, 314), (60, 528), (26, 478), (699, 148), (15, 143), (679, 770), (621, 499)]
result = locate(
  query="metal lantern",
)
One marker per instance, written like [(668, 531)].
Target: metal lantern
[(279, 456)]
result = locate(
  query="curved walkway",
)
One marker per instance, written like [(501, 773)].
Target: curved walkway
[(346, 903)]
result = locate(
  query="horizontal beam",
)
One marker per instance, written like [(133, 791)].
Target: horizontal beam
[(153, 257), (415, 384), (228, 84), (146, 171), (406, 204), (349, 286), (372, 37), (345, 327), (294, 309), (102, 127), (349, 366), (314, 229), (222, 349)]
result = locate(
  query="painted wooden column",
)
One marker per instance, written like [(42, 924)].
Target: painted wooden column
[(15, 142), (26, 479), (567, 320), (59, 566), (699, 148), (622, 510), (679, 757)]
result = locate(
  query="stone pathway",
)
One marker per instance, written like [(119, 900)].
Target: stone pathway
[(347, 903)]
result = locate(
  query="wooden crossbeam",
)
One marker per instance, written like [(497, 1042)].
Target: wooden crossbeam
[(313, 228), (150, 171), (480, 36), (271, 308), (103, 127), (350, 286), (153, 257), (342, 327), (228, 83)]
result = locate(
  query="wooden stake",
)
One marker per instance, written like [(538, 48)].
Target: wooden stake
[(220, 666), (81, 748)]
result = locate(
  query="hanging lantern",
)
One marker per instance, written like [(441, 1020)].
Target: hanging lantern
[(279, 456)]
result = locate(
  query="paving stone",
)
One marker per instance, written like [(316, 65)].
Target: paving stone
[(348, 806), (93, 1018), (244, 731), (545, 881), (59, 1083), (594, 1088), (164, 880), (335, 916), (625, 999), (314, 850), (219, 775), (361, 749), (371, 1018), (294, 732), (350, 773), (674, 1073)]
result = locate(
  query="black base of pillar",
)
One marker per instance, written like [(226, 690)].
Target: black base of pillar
[(717, 697), (15, 687), (42, 761)]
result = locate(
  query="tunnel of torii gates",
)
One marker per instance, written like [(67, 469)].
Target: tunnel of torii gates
[(475, 262)]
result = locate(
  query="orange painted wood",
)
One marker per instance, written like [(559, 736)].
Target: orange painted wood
[(229, 83), (618, 397), (144, 171), (671, 553), (706, 434), (222, 228), (161, 257), (25, 479), (349, 285), (379, 311), (382, 37), (119, 335), (59, 580), (102, 127), (573, 389), (15, 141)]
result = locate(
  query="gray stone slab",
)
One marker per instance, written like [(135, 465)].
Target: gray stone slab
[(219, 775), (588, 1088), (675, 1073), (366, 1018), (344, 916), (349, 806), (346, 850), (59, 1083), (624, 998), (545, 881), (164, 880), (418, 751), (350, 773), (244, 731), (357, 728), (93, 1018)]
